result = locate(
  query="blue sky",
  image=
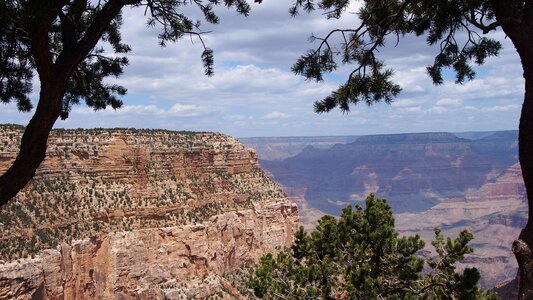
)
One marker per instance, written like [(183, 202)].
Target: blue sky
[(253, 92)]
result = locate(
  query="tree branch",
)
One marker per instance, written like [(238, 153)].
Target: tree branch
[(40, 48), (68, 60), (492, 26)]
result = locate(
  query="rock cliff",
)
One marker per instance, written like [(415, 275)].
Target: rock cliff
[(137, 214)]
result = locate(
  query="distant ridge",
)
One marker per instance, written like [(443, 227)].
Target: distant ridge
[(476, 135), (470, 135), (425, 137), (280, 148)]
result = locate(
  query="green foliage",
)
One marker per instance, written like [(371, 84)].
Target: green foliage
[(449, 25), (360, 256)]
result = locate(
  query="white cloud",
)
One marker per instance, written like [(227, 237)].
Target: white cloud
[(499, 108), (184, 109), (449, 102), (407, 102), (151, 109), (275, 115), (410, 110), (437, 110)]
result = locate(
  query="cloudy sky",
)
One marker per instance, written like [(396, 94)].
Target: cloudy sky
[(254, 93)]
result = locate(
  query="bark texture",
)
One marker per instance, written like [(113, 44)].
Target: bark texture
[(523, 246)]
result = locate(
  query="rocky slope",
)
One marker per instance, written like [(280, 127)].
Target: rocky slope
[(137, 214)]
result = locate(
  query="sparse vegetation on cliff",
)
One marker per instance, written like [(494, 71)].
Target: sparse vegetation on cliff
[(108, 180)]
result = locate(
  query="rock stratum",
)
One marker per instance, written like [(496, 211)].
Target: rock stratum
[(137, 214), (413, 171)]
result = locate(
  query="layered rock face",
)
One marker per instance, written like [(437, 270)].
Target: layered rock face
[(126, 214), (413, 171), (495, 213)]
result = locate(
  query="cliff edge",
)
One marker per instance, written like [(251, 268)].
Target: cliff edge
[(137, 214)]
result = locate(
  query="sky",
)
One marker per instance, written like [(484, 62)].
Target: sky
[(254, 93)]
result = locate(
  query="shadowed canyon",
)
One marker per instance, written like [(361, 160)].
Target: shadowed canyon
[(453, 181)]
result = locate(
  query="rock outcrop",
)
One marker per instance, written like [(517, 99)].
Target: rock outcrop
[(129, 214)]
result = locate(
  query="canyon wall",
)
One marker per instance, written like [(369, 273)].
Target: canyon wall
[(451, 181), (495, 213), (413, 171), (137, 214)]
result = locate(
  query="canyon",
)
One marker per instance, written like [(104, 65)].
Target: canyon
[(452, 181), (138, 214), (413, 171), (156, 214)]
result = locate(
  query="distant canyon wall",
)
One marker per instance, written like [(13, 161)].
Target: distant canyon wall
[(452, 181), (414, 172)]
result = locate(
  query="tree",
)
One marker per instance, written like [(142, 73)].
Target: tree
[(58, 41), (451, 26), (360, 256)]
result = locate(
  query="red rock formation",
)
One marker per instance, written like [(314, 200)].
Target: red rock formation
[(137, 214)]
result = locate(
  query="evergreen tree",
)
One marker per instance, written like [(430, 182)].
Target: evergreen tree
[(360, 256), (456, 28)]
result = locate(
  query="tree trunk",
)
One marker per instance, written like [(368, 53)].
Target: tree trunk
[(517, 23), (522, 248), (34, 142), (54, 78)]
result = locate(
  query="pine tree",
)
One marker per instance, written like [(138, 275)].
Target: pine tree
[(361, 256)]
